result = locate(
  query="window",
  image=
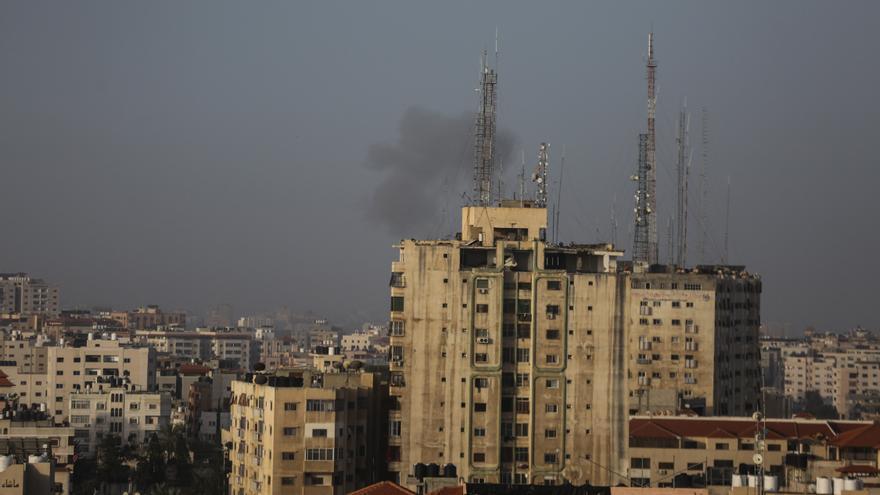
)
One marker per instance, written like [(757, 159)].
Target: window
[(552, 310), (481, 357), (319, 433), (394, 428), (288, 480), (552, 359), (640, 463), (290, 431), (479, 407), (319, 454), (722, 446), (522, 379), (549, 433), (482, 283), (550, 458), (481, 332), (522, 355), (552, 334), (521, 454), (479, 457), (552, 383), (397, 327), (481, 382), (479, 432), (522, 429), (288, 456), (551, 408), (554, 285), (396, 303), (522, 405), (290, 406)]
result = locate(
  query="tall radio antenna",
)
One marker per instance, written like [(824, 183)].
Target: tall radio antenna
[(539, 176), (682, 166), (704, 186), (484, 135), (645, 238), (558, 197)]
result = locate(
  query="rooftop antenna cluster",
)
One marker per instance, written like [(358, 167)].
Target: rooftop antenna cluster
[(484, 134), (539, 176), (645, 238)]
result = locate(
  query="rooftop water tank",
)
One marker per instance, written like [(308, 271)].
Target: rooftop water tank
[(737, 480), (771, 483), (838, 485)]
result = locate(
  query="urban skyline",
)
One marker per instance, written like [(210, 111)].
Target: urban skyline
[(166, 165)]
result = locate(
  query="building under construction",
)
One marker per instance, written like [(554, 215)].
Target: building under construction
[(519, 360)]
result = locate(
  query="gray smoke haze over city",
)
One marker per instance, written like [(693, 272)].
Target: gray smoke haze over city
[(430, 163), (268, 154)]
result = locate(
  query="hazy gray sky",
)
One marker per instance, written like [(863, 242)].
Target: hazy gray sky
[(191, 153)]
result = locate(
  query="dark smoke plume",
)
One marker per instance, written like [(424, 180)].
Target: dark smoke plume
[(426, 170)]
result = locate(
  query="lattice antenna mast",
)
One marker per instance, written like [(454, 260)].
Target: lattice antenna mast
[(484, 135), (539, 176), (558, 198), (645, 239), (682, 167)]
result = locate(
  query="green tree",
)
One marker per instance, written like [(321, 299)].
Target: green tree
[(111, 468)]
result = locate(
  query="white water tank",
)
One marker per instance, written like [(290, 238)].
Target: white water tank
[(771, 483), (753, 481), (36, 459), (737, 480), (5, 462), (838, 485), (850, 484)]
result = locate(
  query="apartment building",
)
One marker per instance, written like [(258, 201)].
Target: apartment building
[(75, 369), (518, 360), (710, 452), (28, 354), (23, 295), (148, 317), (204, 344), (118, 410), (306, 432)]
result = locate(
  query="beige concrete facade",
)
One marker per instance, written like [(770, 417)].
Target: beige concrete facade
[(71, 369), (132, 416), (304, 432), (26, 296), (519, 361)]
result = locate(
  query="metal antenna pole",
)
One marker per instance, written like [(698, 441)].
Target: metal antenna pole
[(539, 176), (727, 226), (559, 196), (682, 199), (522, 181), (704, 186)]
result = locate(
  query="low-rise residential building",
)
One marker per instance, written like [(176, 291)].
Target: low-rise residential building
[(117, 410), (75, 369), (666, 451), (306, 432)]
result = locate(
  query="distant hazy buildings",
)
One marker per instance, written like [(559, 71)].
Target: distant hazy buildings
[(148, 317), (519, 360), (23, 295)]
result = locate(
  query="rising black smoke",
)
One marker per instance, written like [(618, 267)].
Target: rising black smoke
[(426, 170)]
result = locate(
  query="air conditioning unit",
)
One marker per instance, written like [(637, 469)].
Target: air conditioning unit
[(551, 316), (484, 291), (484, 340)]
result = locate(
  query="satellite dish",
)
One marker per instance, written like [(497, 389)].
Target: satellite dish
[(757, 416), (758, 459)]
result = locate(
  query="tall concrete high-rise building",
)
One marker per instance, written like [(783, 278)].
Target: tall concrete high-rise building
[(520, 361), (26, 296), (306, 432)]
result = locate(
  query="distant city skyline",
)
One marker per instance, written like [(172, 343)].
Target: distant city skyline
[(189, 155)]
